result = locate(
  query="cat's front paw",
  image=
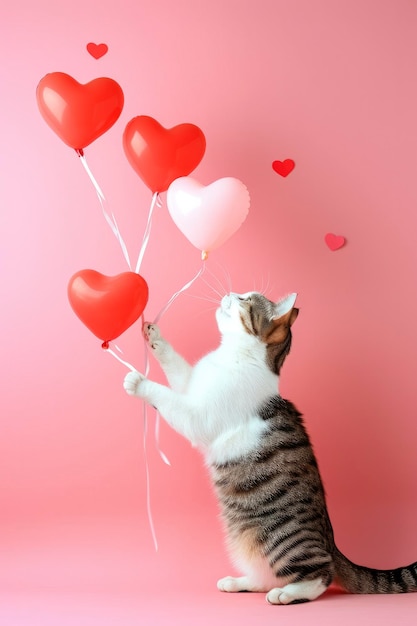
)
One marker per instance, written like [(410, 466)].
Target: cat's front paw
[(153, 336), (132, 383)]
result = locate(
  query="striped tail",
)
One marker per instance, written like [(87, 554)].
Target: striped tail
[(359, 579)]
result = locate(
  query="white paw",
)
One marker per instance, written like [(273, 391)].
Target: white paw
[(132, 383), (296, 592), (233, 585), (278, 596)]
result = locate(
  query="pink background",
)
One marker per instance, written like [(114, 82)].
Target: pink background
[(328, 84)]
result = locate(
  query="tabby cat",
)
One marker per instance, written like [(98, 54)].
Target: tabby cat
[(259, 455)]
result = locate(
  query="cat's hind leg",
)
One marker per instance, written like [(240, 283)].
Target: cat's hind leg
[(295, 593)]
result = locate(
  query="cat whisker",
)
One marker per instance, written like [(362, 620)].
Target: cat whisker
[(216, 291), (227, 277), (223, 291), (206, 298), (267, 288), (205, 312)]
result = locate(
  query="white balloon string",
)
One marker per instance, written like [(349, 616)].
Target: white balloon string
[(116, 356), (157, 414), (144, 408), (148, 478), (177, 293), (157, 318), (110, 219), (145, 451), (157, 428), (147, 233)]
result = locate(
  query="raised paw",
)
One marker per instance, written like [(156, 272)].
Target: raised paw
[(132, 383), (155, 340), (152, 334)]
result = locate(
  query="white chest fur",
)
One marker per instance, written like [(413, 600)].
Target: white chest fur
[(214, 404), (227, 387)]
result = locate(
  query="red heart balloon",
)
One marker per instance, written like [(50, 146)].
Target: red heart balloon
[(107, 305), (161, 155), (79, 113)]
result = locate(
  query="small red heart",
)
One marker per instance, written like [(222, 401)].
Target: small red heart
[(97, 50), (283, 168), (334, 242)]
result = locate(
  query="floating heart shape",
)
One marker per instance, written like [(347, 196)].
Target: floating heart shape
[(160, 155), (334, 242), (107, 305), (77, 113), (97, 50), (283, 168), (208, 216)]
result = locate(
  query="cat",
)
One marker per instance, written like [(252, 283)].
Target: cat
[(259, 455)]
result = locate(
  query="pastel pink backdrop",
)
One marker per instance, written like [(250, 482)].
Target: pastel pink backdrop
[(328, 84)]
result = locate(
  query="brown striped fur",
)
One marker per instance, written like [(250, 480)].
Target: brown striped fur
[(273, 501), (260, 457)]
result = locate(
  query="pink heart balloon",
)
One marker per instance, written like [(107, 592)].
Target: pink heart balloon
[(209, 215)]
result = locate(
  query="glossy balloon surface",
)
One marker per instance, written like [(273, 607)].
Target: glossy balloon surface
[(208, 215), (78, 113), (159, 155), (107, 305)]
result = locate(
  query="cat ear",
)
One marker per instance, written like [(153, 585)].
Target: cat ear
[(283, 318), (285, 306)]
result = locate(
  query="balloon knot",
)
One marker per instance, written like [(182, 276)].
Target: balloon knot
[(80, 152), (204, 255), (105, 345)]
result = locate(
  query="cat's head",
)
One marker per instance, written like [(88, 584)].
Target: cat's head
[(252, 314)]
